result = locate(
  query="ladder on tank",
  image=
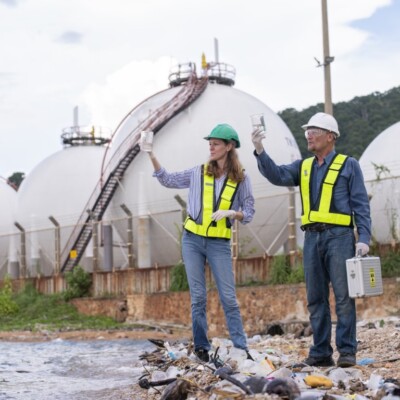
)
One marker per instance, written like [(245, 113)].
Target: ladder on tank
[(118, 164)]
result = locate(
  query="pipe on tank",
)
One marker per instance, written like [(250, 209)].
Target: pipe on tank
[(292, 242), (108, 247), (57, 245), (35, 252), (216, 49), (23, 270), (130, 235), (13, 264), (143, 235), (90, 260), (95, 241)]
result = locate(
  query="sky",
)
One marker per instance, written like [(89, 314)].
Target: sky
[(106, 56)]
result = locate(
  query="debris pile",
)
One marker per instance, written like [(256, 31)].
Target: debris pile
[(173, 372)]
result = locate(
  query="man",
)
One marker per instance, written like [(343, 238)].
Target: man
[(334, 200)]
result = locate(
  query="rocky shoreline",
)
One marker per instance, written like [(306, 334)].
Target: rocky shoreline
[(378, 355)]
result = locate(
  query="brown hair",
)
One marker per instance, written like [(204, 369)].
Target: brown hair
[(233, 167)]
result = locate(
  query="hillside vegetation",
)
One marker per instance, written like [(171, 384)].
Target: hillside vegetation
[(360, 120)]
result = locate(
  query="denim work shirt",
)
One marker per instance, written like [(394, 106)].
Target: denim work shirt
[(349, 196), (191, 178)]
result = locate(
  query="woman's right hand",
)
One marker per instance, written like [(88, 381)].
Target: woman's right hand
[(145, 146)]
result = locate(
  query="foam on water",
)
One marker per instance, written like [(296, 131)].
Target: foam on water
[(61, 370)]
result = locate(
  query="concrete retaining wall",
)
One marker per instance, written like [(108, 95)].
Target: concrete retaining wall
[(260, 306)]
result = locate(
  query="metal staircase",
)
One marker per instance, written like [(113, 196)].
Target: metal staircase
[(119, 163)]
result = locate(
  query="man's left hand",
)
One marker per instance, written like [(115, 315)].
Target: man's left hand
[(362, 249)]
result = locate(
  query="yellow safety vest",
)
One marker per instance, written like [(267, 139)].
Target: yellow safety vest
[(322, 212), (208, 227)]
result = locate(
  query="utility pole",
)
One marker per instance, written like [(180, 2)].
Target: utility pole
[(292, 242), (327, 59)]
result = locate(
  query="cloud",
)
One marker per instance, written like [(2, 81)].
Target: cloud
[(110, 101), (106, 57), (70, 37), (9, 3)]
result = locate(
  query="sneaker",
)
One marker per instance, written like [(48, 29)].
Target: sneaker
[(319, 361), (202, 354), (346, 360)]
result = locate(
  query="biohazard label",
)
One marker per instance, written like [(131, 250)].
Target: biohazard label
[(372, 280)]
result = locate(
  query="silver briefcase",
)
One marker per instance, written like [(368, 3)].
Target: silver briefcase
[(364, 276)]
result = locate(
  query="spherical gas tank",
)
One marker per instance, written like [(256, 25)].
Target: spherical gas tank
[(180, 145), (58, 187), (8, 231), (380, 164)]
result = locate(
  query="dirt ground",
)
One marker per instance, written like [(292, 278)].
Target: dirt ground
[(136, 334)]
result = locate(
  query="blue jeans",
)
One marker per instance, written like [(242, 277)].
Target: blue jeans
[(195, 251), (325, 255)]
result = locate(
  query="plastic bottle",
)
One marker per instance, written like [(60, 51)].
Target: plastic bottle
[(170, 351)]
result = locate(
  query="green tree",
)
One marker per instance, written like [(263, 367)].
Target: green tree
[(7, 304), (79, 283), (16, 179), (179, 282), (360, 120)]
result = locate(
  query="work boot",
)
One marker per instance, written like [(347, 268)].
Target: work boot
[(319, 361), (202, 354), (346, 360)]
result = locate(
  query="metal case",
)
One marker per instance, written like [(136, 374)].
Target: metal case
[(364, 277)]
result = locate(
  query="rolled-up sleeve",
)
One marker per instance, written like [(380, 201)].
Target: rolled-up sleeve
[(177, 180), (245, 200)]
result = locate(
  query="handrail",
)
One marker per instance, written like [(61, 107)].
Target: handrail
[(81, 135), (222, 73), (119, 162)]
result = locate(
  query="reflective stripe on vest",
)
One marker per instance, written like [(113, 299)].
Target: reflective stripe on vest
[(210, 228), (322, 212)]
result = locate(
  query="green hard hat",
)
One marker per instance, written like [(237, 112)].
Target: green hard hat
[(224, 132)]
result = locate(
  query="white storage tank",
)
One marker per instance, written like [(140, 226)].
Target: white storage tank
[(8, 201), (179, 145), (380, 164), (59, 187)]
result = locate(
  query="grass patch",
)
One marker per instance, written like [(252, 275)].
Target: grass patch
[(390, 264), (179, 282), (282, 273), (36, 311)]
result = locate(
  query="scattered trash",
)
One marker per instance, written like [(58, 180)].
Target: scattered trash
[(173, 372), (366, 361), (286, 388), (171, 354), (316, 381), (375, 381)]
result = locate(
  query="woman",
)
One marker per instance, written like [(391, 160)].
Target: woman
[(219, 193)]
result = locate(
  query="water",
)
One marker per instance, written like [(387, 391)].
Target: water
[(62, 369)]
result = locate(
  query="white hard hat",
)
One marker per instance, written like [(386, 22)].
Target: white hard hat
[(324, 121)]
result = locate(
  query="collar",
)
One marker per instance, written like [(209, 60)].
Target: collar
[(327, 159)]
